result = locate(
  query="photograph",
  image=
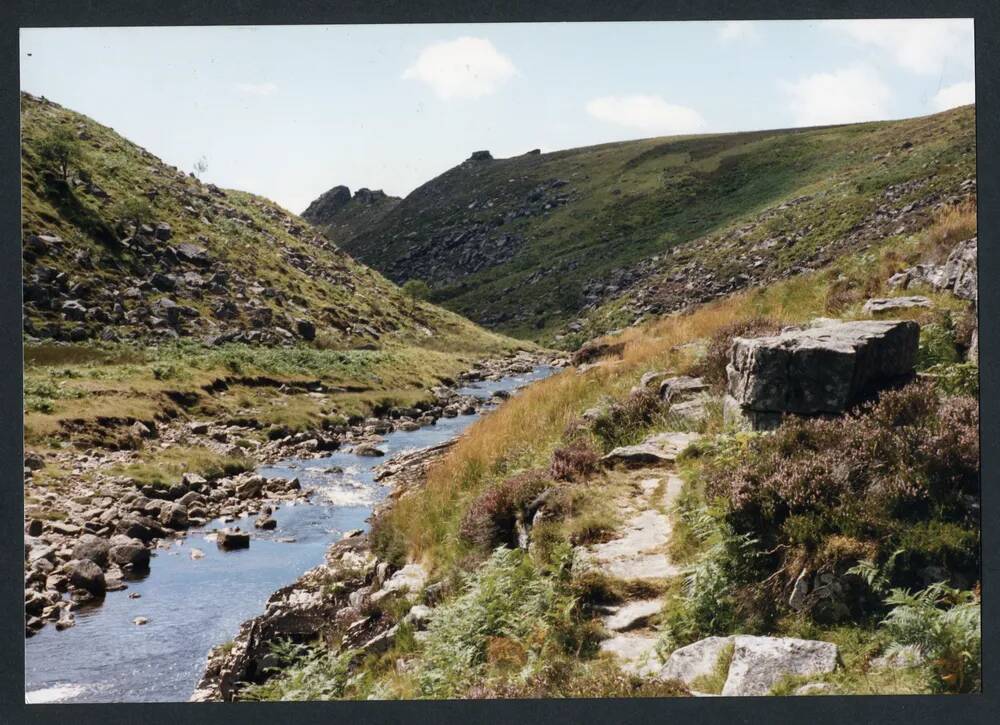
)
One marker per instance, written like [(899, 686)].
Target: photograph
[(499, 361)]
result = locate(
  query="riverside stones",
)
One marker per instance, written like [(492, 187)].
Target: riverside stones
[(92, 548), (85, 574), (817, 370), (228, 540)]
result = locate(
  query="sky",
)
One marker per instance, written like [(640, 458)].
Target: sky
[(291, 111)]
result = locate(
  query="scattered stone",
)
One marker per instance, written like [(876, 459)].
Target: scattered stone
[(229, 540), (366, 449), (880, 305), (681, 388), (140, 621), (131, 554), (632, 615), (86, 575), (759, 663), (93, 548), (696, 660), (659, 449)]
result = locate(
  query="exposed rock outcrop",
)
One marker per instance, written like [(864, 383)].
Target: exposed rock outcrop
[(817, 370)]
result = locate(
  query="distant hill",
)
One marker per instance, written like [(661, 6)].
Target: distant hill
[(126, 247), (541, 244), (342, 216)]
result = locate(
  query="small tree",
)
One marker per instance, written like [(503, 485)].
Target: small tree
[(134, 210), (62, 150), (417, 289)]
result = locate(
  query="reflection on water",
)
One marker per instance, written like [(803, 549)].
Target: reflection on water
[(193, 604)]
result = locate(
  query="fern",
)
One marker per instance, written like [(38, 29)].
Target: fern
[(945, 625)]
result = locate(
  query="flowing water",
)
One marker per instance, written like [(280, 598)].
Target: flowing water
[(193, 604)]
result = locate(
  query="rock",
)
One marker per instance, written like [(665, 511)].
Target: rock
[(174, 515), (901, 658), (33, 528), (652, 378), (250, 488), (481, 156), (959, 271), (194, 254), (130, 554), (681, 388), (306, 329), (690, 412), (197, 554), (637, 652), (411, 578), (140, 621), (659, 449), (879, 305), (140, 430), (92, 548), (163, 232), (823, 369), (229, 540), (34, 461), (698, 659), (595, 350), (85, 574), (419, 615), (632, 615), (74, 310), (816, 688), (60, 527), (759, 663), (366, 449), (265, 522)]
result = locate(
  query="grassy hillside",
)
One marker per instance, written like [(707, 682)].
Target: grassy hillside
[(608, 233), (231, 264), (145, 287)]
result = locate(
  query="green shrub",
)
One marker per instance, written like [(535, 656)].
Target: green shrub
[(956, 379), (937, 346), (417, 289), (945, 625), (624, 423), (507, 599), (884, 478), (61, 150), (303, 674)]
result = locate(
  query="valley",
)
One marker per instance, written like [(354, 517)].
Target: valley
[(688, 416)]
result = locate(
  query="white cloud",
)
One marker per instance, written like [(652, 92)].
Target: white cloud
[(848, 95), (650, 114), (733, 30), (462, 68), (922, 46), (257, 89), (958, 94)]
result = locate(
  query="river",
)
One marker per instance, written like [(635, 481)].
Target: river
[(193, 604)]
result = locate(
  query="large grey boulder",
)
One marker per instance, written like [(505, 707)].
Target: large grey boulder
[(85, 574), (698, 659), (820, 370), (760, 663)]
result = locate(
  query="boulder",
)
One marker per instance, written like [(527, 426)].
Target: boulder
[(632, 614), (681, 388), (250, 488), (174, 515), (163, 231), (229, 540), (698, 659), (130, 553), (306, 329), (481, 156), (880, 305), (367, 449), (85, 574), (595, 350), (820, 370), (92, 548), (659, 449), (759, 663)]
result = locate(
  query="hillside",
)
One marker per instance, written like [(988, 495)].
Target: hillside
[(592, 238), (129, 248), (342, 216)]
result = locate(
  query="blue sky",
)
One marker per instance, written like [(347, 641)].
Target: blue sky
[(289, 111)]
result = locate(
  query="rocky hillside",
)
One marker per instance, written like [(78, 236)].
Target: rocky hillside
[(589, 239), (343, 216), (121, 246)]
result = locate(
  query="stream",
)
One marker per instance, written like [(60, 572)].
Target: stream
[(193, 604)]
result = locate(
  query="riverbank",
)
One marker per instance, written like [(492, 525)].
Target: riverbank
[(92, 527)]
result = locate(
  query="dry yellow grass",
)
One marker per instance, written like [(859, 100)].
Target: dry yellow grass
[(525, 430)]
